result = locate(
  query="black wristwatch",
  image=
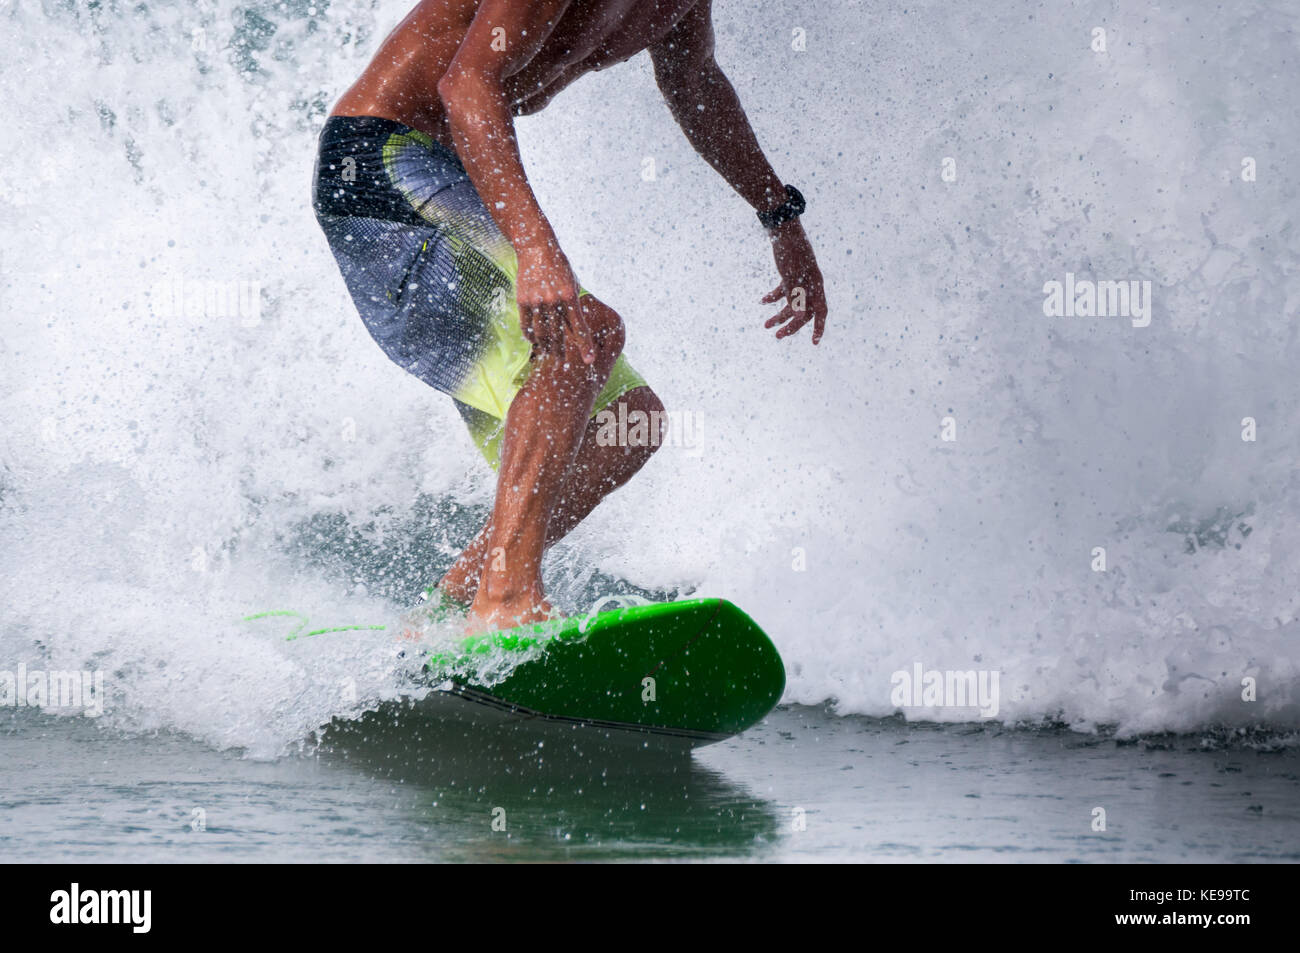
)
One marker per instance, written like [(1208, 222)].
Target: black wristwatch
[(792, 207)]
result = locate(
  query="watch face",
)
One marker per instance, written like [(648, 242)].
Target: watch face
[(792, 207)]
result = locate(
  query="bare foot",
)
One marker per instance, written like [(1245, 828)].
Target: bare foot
[(509, 614), (460, 584)]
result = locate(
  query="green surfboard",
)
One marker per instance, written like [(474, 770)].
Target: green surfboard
[(695, 671)]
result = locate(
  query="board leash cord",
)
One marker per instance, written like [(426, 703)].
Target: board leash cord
[(625, 599), (303, 623)]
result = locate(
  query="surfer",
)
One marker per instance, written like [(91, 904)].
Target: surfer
[(458, 275)]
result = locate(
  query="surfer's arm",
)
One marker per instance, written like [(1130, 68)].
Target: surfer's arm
[(502, 39), (706, 106)]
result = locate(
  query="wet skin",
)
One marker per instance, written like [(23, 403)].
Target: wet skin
[(460, 71)]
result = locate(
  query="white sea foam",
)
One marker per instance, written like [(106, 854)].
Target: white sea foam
[(154, 460)]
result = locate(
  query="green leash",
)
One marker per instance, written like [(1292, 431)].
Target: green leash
[(302, 624), (437, 613)]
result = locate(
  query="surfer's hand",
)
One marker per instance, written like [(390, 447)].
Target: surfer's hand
[(801, 283), (549, 314)]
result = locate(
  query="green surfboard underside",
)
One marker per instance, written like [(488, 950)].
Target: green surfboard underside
[(700, 668)]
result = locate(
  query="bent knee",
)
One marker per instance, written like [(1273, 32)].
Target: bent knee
[(606, 329), (647, 420), (647, 401)]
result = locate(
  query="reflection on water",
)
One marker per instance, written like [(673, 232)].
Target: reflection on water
[(804, 785), (560, 793)]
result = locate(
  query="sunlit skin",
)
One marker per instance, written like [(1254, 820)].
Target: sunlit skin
[(460, 71)]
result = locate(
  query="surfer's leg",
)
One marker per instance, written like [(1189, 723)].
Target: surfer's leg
[(544, 429), (600, 470), (432, 279), (597, 471)]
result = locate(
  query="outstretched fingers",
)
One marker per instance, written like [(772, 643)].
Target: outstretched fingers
[(794, 326), (793, 318), (784, 315)]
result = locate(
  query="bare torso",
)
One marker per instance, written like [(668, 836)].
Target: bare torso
[(401, 82)]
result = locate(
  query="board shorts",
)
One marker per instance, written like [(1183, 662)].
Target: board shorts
[(431, 275)]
